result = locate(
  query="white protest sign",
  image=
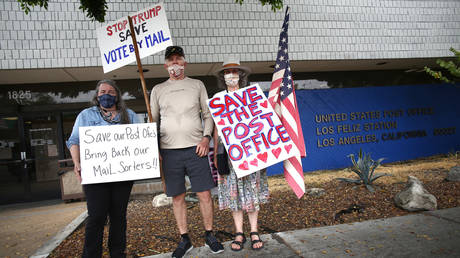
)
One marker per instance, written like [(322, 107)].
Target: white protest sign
[(251, 131), (118, 153), (152, 35)]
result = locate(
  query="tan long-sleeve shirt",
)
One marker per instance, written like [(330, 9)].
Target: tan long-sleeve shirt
[(179, 106)]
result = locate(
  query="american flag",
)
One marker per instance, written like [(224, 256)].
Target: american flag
[(282, 98)]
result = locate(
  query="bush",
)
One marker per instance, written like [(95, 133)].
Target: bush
[(450, 66)]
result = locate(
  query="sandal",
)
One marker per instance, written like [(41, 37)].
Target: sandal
[(239, 243), (256, 241)]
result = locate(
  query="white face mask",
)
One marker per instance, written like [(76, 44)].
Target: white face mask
[(176, 70), (232, 79)]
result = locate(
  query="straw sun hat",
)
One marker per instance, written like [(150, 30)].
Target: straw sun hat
[(229, 63)]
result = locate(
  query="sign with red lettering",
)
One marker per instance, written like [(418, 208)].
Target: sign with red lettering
[(152, 35), (250, 130)]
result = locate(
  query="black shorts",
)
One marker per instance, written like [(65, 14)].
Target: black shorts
[(180, 162)]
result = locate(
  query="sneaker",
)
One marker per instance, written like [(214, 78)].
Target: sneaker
[(183, 248), (215, 246)]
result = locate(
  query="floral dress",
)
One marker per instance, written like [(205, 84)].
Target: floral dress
[(246, 193)]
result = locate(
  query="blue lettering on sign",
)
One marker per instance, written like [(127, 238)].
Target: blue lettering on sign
[(155, 38), (124, 51), (116, 54), (120, 53)]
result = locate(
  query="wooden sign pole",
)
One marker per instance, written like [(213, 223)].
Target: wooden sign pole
[(144, 88), (139, 68)]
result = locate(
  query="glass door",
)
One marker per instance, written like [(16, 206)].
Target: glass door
[(41, 137), (29, 154), (14, 175)]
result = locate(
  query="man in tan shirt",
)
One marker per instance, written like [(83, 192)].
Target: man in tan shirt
[(179, 106)]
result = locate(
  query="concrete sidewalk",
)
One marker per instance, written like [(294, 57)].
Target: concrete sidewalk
[(426, 234), (25, 227)]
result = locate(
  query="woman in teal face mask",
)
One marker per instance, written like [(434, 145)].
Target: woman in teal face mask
[(105, 198)]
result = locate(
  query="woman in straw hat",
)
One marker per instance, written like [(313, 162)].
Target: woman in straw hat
[(239, 194)]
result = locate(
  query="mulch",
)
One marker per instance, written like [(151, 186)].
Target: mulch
[(153, 230)]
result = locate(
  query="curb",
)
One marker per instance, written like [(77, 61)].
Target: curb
[(49, 246)]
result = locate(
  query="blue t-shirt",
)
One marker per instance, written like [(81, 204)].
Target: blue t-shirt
[(92, 117)]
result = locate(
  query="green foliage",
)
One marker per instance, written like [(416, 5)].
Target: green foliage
[(96, 9), (364, 167), (451, 66), (26, 3), (276, 4)]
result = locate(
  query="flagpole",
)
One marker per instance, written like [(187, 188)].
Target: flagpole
[(144, 88), (282, 97)]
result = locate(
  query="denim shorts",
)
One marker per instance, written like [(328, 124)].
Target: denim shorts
[(180, 162)]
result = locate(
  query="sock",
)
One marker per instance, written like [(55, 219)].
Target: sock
[(185, 237)]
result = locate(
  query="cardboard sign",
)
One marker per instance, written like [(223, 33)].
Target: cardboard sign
[(152, 35), (118, 153), (250, 130)]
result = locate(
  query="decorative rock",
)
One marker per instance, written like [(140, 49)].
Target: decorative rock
[(161, 200), (315, 191), (188, 185), (454, 174), (191, 197), (415, 197)]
